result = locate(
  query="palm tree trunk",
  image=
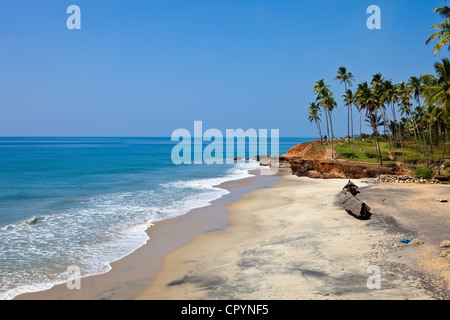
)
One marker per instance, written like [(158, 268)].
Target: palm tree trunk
[(318, 128), (395, 123), (377, 143), (442, 158), (414, 129), (332, 137), (351, 117), (374, 129), (431, 143), (328, 130), (348, 121), (403, 151), (425, 147), (391, 143), (446, 137), (360, 123), (418, 135)]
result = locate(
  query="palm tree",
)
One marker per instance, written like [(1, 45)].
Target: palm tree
[(378, 104), (389, 97), (328, 103), (318, 89), (346, 78), (403, 98), (368, 100), (349, 100), (314, 115), (437, 91), (418, 114), (359, 108), (442, 36), (430, 122), (416, 86)]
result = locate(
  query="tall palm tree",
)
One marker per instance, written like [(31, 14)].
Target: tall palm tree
[(346, 78), (349, 100), (437, 91), (378, 105), (359, 108), (404, 97), (389, 97), (418, 115), (442, 36), (368, 100), (430, 123), (314, 115), (416, 86), (328, 103), (319, 89)]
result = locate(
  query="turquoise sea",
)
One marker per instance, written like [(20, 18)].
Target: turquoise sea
[(88, 202)]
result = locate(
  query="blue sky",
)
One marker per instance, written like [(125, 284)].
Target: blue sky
[(146, 68)]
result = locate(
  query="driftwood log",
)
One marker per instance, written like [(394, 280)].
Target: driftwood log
[(356, 207)]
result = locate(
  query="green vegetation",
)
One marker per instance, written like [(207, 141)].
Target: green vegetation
[(409, 120), (424, 173)]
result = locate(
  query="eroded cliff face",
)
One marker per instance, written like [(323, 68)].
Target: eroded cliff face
[(308, 160), (330, 170)]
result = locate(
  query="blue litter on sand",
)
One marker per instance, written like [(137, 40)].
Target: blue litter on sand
[(405, 240)]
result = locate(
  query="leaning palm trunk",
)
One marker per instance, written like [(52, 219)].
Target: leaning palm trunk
[(318, 128)]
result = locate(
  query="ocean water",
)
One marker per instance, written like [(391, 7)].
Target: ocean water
[(88, 202)]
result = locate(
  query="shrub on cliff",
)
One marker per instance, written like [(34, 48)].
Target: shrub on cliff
[(424, 173)]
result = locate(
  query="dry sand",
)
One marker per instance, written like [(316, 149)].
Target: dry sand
[(294, 241)]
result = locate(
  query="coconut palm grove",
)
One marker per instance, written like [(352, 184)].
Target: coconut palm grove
[(408, 120)]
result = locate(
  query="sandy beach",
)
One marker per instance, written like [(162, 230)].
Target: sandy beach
[(286, 237), (294, 241)]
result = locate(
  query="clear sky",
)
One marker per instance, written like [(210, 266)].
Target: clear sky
[(146, 68)]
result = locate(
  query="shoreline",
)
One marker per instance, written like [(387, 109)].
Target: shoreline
[(132, 274), (293, 241)]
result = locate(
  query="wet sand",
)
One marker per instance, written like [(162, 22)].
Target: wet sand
[(294, 241)]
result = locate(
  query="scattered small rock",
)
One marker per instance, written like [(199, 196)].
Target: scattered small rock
[(417, 242), (445, 244), (386, 178), (445, 254)]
